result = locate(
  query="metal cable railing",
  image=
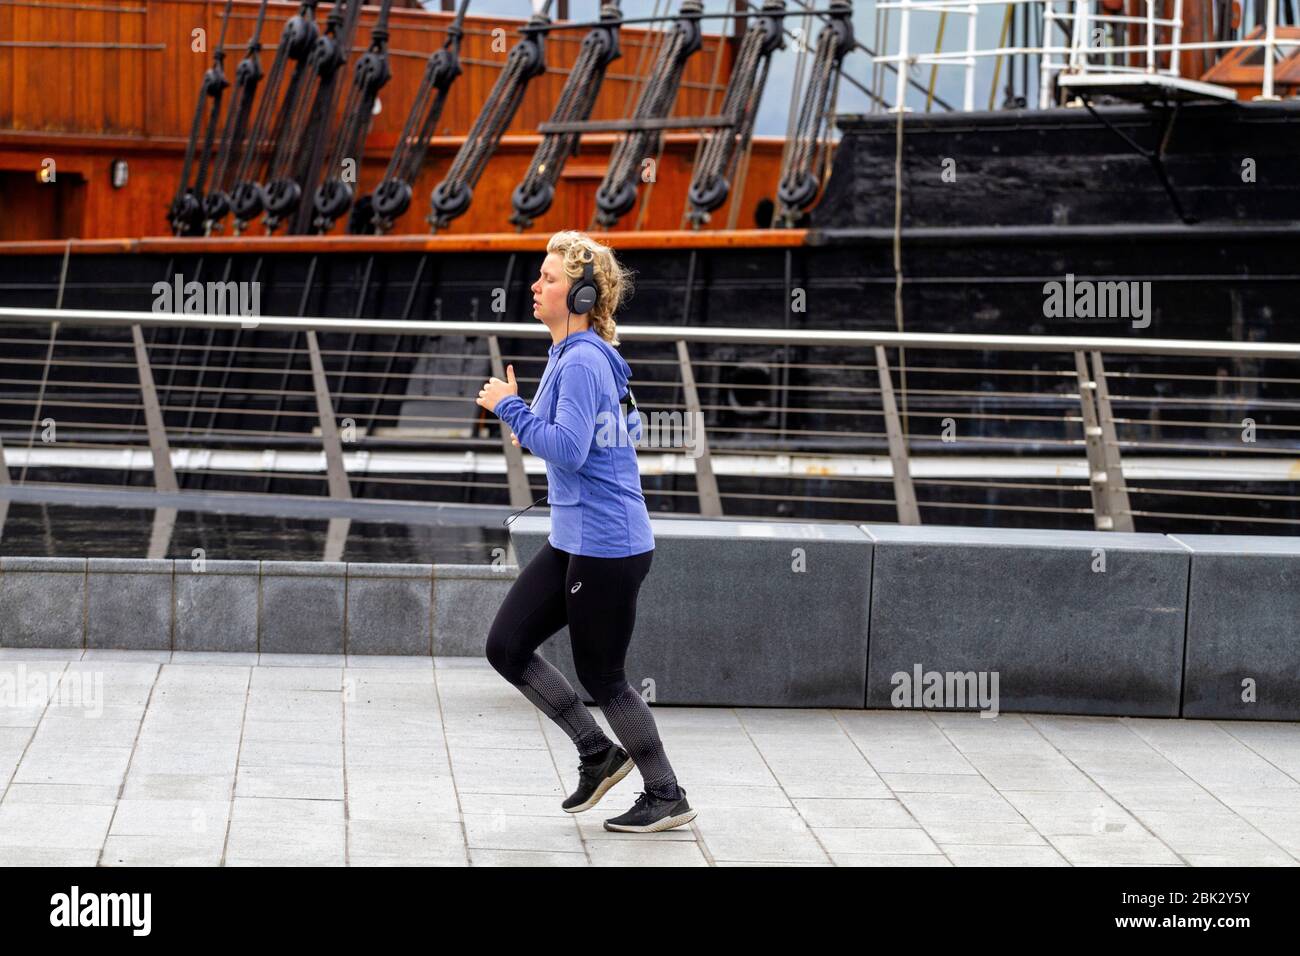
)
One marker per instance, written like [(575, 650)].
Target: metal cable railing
[(1108, 432), (1080, 45)]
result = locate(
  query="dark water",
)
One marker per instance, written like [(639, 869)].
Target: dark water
[(60, 530), (34, 530)]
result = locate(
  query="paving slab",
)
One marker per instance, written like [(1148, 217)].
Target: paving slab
[(263, 760)]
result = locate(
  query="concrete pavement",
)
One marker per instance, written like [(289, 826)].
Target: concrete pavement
[(124, 758)]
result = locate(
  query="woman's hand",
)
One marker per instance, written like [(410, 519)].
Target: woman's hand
[(514, 439), (494, 390)]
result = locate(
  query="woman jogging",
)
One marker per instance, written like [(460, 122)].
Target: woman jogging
[(591, 566)]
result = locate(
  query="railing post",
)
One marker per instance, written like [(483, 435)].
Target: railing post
[(972, 14), (336, 537), (516, 477), (4, 480), (1078, 61), (1116, 490), (706, 484), (164, 477), (1151, 36), (904, 493), (1092, 435), (900, 92), (1045, 58), (329, 432), (1270, 40), (1175, 54)]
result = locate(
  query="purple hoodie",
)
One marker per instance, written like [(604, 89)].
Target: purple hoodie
[(593, 484)]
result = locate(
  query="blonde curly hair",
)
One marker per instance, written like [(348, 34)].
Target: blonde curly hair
[(613, 279)]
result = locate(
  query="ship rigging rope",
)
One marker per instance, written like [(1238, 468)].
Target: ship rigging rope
[(798, 138), (652, 40), (822, 164), (487, 129), (292, 191), (257, 137), (370, 75), (800, 186), (617, 194), (298, 35), (291, 124), (660, 35), (392, 197), (186, 211), (247, 76), (655, 102), (534, 195), (713, 88), (709, 186), (215, 87), (793, 115), (527, 59)]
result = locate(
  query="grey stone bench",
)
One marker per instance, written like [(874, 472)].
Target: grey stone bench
[(1243, 627), (741, 613), (1075, 622), (309, 607)]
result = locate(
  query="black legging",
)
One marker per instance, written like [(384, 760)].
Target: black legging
[(596, 597)]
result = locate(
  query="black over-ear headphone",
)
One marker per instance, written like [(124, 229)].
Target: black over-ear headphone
[(584, 294)]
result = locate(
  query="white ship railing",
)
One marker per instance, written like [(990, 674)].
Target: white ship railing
[(1094, 54)]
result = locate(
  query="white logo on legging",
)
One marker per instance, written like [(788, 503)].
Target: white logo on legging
[(574, 589)]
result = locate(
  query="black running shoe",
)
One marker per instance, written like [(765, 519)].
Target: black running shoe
[(595, 779), (650, 814)]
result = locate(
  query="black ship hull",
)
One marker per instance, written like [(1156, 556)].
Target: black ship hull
[(1028, 199)]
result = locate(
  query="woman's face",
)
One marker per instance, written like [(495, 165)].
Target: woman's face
[(551, 291)]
